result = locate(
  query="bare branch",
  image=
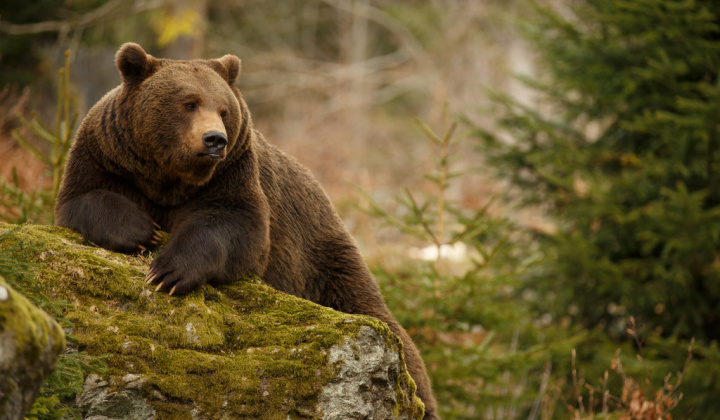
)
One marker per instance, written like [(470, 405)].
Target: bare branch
[(402, 33), (109, 10)]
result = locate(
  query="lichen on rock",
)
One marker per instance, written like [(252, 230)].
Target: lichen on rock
[(238, 351)]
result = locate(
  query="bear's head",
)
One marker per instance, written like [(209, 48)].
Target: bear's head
[(184, 116)]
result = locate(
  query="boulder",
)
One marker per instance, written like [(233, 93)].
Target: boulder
[(30, 341), (239, 351)]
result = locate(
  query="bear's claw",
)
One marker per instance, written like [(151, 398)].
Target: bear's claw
[(149, 277)]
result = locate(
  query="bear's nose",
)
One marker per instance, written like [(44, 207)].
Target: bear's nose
[(215, 141)]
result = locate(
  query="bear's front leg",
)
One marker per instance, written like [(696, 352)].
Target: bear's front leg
[(220, 246), (109, 220)]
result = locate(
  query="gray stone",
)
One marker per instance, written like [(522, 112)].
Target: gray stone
[(364, 386), (102, 400)]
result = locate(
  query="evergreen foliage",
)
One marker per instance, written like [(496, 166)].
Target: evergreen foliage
[(623, 153), (486, 355)]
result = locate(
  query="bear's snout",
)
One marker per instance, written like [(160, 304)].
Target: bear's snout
[(215, 144)]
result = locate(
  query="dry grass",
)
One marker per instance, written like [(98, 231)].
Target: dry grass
[(636, 401)]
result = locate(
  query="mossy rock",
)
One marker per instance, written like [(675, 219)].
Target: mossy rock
[(238, 351), (30, 341)]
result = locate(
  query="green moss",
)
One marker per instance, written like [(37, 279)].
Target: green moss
[(30, 328), (239, 350), (36, 339)]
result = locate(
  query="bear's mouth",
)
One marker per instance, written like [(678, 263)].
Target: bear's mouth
[(212, 156)]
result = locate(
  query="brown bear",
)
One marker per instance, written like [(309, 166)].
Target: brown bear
[(173, 148)]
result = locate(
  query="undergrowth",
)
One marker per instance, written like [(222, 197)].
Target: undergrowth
[(459, 297), (488, 353), (639, 399), (18, 206)]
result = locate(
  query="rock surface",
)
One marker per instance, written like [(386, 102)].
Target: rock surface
[(238, 351), (363, 387), (30, 341), (122, 399)]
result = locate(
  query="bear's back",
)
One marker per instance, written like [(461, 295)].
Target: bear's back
[(306, 233)]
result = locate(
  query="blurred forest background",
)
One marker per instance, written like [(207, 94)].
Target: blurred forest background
[(560, 157)]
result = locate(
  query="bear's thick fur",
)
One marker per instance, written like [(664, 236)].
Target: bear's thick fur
[(173, 147)]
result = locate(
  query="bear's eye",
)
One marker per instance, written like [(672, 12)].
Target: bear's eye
[(191, 106), (223, 114)]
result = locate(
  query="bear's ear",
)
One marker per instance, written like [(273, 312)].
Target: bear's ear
[(229, 67), (134, 63)]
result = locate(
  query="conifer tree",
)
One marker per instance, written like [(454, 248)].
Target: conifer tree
[(637, 204), (622, 150)]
